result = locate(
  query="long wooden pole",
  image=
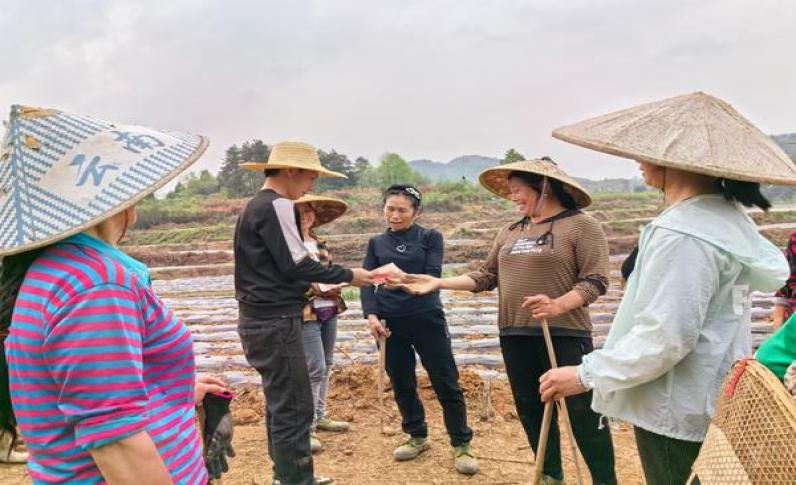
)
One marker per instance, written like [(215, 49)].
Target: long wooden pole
[(382, 368), (562, 403), (542, 448)]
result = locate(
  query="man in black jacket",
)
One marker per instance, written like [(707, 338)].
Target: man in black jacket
[(273, 271)]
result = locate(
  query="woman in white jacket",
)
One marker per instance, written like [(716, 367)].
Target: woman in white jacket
[(685, 315)]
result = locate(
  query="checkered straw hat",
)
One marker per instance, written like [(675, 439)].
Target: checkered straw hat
[(62, 173)]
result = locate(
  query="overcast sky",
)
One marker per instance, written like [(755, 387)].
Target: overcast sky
[(423, 78)]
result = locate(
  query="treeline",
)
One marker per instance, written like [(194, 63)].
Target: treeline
[(232, 181)]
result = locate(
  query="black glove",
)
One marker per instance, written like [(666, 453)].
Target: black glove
[(218, 433)]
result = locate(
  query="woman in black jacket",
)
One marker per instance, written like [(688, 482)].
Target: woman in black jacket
[(415, 324)]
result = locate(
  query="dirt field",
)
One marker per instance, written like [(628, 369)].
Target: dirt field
[(364, 455)]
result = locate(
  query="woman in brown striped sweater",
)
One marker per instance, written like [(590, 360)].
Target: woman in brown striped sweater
[(551, 264)]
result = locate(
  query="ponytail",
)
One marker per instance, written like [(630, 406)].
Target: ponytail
[(747, 193)]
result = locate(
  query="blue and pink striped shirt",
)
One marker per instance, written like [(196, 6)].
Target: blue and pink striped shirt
[(94, 357)]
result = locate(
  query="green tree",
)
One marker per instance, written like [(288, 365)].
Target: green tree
[(338, 163), (239, 182), (201, 184), (512, 156), (392, 170)]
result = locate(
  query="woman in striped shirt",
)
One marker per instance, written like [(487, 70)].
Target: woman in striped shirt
[(101, 372), (551, 264)]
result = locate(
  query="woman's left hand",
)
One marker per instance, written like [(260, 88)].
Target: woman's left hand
[(205, 384), (542, 306), (559, 383)]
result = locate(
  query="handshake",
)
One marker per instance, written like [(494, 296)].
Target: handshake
[(392, 277)]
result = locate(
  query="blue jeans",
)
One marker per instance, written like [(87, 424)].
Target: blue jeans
[(319, 339)]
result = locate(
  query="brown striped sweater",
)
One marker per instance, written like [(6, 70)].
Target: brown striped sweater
[(565, 252)]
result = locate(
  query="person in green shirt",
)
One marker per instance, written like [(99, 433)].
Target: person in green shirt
[(779, 351)]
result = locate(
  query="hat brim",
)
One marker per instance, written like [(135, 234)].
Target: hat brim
[(326, 211), (496, 180), (262, 166)]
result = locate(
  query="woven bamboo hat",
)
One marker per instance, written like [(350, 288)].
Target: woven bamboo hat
[(62, 173), (293, 154), (326, 208), (695, 132), (496, 179)]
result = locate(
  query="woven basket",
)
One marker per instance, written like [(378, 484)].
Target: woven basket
[(752, 438)]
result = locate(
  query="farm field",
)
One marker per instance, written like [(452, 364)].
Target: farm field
[(192, 270)]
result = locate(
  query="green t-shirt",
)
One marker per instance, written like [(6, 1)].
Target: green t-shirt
[(779, 351)]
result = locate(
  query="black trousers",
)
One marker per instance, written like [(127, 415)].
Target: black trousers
[(427, 334), (274, 347), (526, 360), (666, 461)]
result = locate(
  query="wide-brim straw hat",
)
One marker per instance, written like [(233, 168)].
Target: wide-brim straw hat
[(696, 133), (496, 179), (62, 173), (326, 208), (293, 154)]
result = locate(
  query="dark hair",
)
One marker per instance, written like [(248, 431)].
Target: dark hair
[(12, 272), (409, 191), (747, 193), (629, 264), (272, 172), (535, 181)]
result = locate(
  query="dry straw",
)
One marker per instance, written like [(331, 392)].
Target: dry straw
[(293, 154), (495, 179), (326, 208), (696, 132), (752, 438)]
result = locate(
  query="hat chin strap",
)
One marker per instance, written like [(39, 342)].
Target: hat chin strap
[(538, 206)]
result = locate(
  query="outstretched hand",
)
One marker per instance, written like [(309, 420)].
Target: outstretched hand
[(416, 284)]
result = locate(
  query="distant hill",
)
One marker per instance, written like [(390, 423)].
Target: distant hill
[(635, 184), (468, 166), (788, 143)]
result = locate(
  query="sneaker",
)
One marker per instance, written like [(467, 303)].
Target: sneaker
[(327, 424), (463, 460), (412, 448), (318, 481), (548, 480), (315, 444)]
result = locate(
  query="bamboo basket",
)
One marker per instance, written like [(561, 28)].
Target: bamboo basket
[(752, 438)]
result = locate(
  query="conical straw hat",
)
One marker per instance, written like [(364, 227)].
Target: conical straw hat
[(62, 173), (326, 208), (293, 154), (695, 132), (496, 179)]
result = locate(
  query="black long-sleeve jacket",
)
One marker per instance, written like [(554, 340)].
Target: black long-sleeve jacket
[(273, 268), (416, 250)]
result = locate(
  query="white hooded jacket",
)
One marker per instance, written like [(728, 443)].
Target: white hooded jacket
[(684, 318)]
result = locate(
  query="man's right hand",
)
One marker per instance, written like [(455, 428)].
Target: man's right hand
[(377, 329), (362, 277)]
